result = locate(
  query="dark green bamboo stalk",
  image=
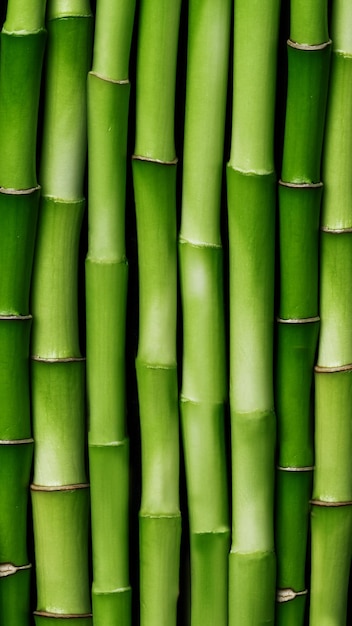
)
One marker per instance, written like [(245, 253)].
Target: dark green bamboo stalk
[(251, 188), (154, 176), (21, 54), (106, 291), (332, 489), (204, 381), (60, 495), (299, 212)]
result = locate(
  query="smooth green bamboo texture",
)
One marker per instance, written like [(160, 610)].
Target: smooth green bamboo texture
[(60, 494), (332, 489), (300, 194), (22, 43), (154, 179), (106, 293), (251, 218), (204, 382)]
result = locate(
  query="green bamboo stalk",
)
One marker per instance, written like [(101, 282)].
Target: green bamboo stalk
[(106, 293), (21, 55), (332, 489), (154, 177), (204, 381), (300, 194), (251, 207), (60, 496)]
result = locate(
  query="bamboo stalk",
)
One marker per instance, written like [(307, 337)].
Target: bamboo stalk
[(204, 381), (300, 194), (154, 178), (60, 496), (251, 215), (21, 55), (106, 293), (332, 489)]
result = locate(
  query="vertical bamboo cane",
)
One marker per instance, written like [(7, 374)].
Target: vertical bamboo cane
[(299, 210), (251, 200), (154, 176), (332, 489), (21, 55), (106, 291), (204, 382), (60, 494)]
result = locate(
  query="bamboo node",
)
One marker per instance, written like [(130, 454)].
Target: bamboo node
[(62, 615), (308, 46), (19, 192), (139, 157), (333, 369), (50, 488), (302, 185), (16, 442), (336, 231), (330, 503), (15, 318), (114, 81), (287, 595), (298, 320), (199, 244), (8, 569), (306, 468)]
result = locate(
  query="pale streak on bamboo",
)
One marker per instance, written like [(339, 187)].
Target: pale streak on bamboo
[(251, 211), (204, 381), (332, 489), (300, 192), (22, 47), (154, 179), (106, 295), (60, 494)]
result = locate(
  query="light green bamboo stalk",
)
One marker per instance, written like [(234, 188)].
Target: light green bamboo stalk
[(204, 381), (154, 177), (251, 207), (299, 211), (106, 291), (332, 490), (60, 496), (21, 55)]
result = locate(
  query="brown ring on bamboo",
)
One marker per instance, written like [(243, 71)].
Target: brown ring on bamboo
[(336, 231), (330, 504), (305, 468), (8, 569), (114, 81), (298, 320), (15, 318), (16, 442), (138, 157), (285, 183), (66, 359), (62, 615), (320, 369), (307, 46), (286, 595), (18, 192), (51, 488)]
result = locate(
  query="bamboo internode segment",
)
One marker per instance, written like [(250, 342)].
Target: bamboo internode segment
[(20, 78)]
